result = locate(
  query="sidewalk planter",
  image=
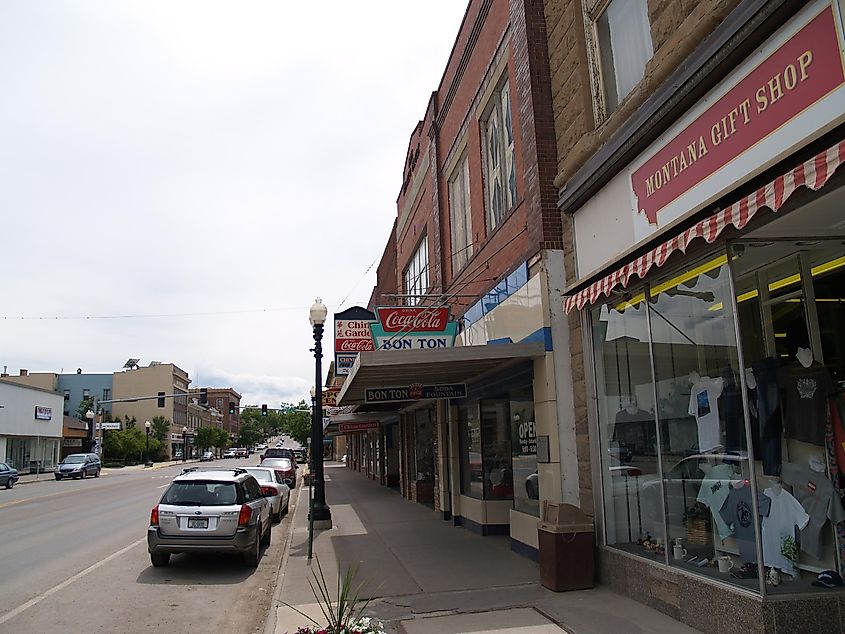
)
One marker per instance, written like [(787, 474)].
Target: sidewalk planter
[(566, 547)]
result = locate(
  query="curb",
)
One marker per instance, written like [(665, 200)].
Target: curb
[(106, 471), (272, 617)]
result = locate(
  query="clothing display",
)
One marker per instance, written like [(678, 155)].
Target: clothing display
[(834, 469), (704, 406), (768, 429), (715, 488), (730, 404), (819, 499), (806, 391), (738, 513), (778, 529)]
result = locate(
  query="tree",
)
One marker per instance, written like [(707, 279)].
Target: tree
[(206, 437), (160, 428), (221, 439), (297, 425), (85, 405), (249, 435)]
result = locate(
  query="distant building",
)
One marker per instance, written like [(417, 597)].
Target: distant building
[(30, 426), (220, 398)]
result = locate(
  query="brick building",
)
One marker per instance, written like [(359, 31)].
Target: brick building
[(697, 149), (221, 398), (478, 232)]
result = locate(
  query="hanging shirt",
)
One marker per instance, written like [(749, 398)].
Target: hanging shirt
[(714, 491), (778, 530), (704, 406), (818, 497), (738, 513), (806, 391)]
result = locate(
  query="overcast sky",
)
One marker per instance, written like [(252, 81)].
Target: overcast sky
[(180, 179)]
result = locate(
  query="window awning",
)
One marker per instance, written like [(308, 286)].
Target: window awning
[(463, 364), (813, 173)]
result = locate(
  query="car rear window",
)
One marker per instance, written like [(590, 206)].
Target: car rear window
[(282, 463), (199, 493), (261, 475)]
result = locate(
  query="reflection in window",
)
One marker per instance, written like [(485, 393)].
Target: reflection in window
[(472, 473), (496, 449), (526, 490)]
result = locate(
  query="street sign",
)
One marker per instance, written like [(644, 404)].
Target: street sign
[(108, 425), (414, 392)]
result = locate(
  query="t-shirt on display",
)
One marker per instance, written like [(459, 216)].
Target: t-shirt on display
[(785, 515), (714, 491), (738, 513), (806, 391), (819, 499), (704, 406)]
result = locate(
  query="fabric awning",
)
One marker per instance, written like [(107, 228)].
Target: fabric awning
[(813, 173), (463, 364)]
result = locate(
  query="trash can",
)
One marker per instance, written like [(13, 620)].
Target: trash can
[(566, 548)]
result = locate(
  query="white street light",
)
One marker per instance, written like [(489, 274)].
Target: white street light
[(318, 312)]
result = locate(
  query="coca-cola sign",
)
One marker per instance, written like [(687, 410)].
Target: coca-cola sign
[(354, 345), (413, 319)]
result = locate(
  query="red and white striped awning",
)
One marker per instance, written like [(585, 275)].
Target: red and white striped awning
[(813, 173)]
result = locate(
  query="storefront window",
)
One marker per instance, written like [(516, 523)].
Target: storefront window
[(424, 443), (31, 454), (633, 508), (472, 473), (526, 490), (496, 449), (706, 472)]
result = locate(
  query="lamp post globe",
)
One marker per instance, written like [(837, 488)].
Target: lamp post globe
[(320, 512), (184, 443), (147, 461), (90, 416)]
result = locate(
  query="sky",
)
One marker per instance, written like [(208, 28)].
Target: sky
[(179, 180)]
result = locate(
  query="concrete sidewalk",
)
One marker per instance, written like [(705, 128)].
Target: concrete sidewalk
[(429, 576)]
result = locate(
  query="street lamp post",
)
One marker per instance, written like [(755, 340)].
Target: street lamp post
[(147, 461), (320, 511), (184, 444)]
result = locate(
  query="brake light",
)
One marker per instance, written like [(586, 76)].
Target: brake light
[(245, 515), (154, 516), (268, 491)]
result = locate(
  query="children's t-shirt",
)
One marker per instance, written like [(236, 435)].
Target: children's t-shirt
[(819, 499), (714, 490), (785, 515)]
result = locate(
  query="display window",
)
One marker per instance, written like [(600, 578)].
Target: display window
[(499, 449), (720, 402)]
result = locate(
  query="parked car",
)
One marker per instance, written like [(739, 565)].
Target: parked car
[(300, 455), (279, 452), (78, 465), (8, 476), (284, 467), (241, 452), (229, 453), (207, 456), (273, 486), (210, 511)]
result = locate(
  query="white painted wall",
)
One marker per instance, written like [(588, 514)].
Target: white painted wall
[(17, 416)]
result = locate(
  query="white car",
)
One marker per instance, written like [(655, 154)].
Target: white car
[(274, 489), (229, 453)]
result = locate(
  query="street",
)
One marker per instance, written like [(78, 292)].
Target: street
[(74, 554)]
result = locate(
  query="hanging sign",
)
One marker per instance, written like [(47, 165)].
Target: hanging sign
[(330, 396), (345, 428), (351, 336), (413, 328), (414, 392)]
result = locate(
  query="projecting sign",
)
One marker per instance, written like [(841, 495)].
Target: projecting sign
[(414, 340), (351, 336), (330, 396), (415, 392), (345, 428), (43, 413), (413, 319)]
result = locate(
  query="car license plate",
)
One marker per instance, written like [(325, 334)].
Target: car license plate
[(197, 522)]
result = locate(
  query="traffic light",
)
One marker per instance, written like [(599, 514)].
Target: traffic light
[(231, 407), (204, 396), (264, 409)]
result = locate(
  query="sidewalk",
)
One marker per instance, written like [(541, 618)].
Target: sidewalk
[(432, 577)]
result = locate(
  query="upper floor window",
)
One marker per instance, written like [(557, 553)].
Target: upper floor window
[(459, 211), (623, 40), (499, 164), (67, 395), (416, 275), (106, 394), (86, 393)]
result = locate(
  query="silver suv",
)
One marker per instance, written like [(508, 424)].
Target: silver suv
[(210, 511)]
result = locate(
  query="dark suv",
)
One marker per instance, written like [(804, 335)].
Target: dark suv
[(280, 452)]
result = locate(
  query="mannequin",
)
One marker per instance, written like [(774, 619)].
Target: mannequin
[(805, 357), (750, 379), (775, 486), (694, 377)]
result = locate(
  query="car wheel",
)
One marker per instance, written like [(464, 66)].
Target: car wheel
[(10, 483), (287, 507), (252, 558), (277, 517), (97, 473), (58, 477), (265, 539), (160, 559)]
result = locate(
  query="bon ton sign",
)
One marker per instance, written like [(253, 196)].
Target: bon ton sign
[(711, 152), (351, 336), (413, 328)]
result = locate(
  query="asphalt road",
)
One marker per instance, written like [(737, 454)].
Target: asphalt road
[(73, 554)]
